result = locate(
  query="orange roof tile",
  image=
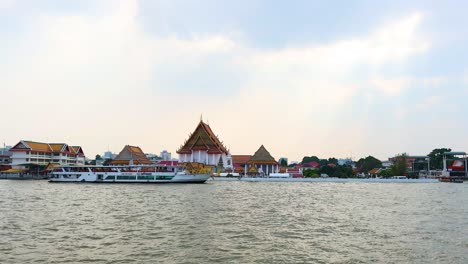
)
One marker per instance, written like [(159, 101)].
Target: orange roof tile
[(56, 147), (36, 146), (131, 153), (240, 159), (203, 138)]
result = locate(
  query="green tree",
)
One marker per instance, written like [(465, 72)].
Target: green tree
[(310, 173), (283, 163), (400, 165), (98, 157), (386, 173), (309, 159), (437, 156), (333, 161), (368, 163)]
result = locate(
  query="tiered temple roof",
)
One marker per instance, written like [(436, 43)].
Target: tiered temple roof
[(262, 156), (203, 138), (131, 155), (26, 145)]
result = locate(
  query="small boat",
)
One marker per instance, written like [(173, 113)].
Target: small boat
[(451, 179), (127, 174)]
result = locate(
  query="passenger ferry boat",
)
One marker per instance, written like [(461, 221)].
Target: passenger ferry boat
[(127, 174)]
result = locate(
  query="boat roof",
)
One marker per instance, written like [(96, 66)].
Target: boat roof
[(113, 166)]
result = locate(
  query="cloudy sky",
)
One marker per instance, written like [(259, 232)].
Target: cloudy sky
[(326, 78)]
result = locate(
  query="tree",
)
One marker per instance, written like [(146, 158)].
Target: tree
[(309, 173), (283, 163), (98, 157), (333, 161), (368, 163), (309, 159), (437, 156), (386, 173), (400, 165)]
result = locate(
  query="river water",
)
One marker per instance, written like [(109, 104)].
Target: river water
[(233, 222)]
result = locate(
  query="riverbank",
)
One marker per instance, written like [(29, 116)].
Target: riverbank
[(338, 180), (16, 176)]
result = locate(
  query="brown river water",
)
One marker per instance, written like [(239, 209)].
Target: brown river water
[(233, 222)]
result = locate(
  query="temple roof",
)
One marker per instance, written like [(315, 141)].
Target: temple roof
[(240, 159), (262, 156), (131, 155), (57, 147), (26, 145), (203, 138)]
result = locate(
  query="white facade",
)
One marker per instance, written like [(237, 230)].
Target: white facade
[(18, 158), (22, 154), (204, 157)]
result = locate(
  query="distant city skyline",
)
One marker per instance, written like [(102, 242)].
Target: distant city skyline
[(331, 79)]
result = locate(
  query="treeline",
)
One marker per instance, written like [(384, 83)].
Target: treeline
[(399, 167)]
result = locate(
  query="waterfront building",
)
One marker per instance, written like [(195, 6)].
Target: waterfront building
[(387, 164), (261, 163), (203, 146), (26, 154), (5, 158), (239, 162), (131, 155)]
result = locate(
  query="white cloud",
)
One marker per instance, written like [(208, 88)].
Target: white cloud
[(106, 76), (465, 77), (429, 103), (392, 87)]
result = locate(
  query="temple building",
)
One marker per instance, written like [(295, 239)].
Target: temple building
[(131, 155), (203, 146), (239, 162), (30, 154), (261, 163)]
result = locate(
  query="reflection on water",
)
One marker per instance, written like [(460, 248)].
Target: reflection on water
[(236, 222)]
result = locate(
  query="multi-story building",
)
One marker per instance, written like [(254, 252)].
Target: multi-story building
[(26, 153), (109, 155), (165, 155), (5, 158)]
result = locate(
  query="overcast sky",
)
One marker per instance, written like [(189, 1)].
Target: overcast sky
[(326, 78)]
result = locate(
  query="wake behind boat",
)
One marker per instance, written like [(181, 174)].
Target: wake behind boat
[(127, 174)]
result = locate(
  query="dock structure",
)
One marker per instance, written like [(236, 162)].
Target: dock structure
[(459, 168)]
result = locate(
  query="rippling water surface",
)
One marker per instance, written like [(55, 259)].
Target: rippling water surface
[(233, 222)]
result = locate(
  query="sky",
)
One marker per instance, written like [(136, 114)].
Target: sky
[(326, 78)]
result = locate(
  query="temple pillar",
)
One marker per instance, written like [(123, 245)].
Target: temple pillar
[(267, 169)]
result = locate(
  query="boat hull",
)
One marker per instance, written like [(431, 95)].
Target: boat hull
[(195, 178)]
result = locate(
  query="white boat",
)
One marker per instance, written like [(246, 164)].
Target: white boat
[(126, 174)]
